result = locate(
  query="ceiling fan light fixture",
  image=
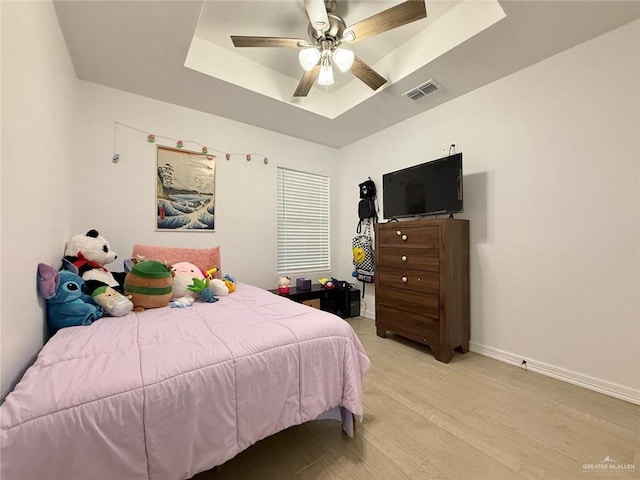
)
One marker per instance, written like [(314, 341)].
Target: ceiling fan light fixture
[(327, 31), (309, 58), (326, 73), (343, 59)]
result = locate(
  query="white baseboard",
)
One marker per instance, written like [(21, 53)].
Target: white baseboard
[(591, 383), (368, 314)]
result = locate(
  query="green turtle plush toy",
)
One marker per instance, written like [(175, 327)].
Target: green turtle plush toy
[(150, 285)]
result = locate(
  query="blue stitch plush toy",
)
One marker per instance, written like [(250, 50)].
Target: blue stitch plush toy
[(67, 303)]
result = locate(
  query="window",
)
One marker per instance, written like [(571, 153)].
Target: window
[(303, 222)]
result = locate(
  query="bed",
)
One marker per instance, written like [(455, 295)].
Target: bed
[(170, 392)]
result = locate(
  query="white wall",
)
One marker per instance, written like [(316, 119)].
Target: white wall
[(39, 116), (551, 191), (119, 200)]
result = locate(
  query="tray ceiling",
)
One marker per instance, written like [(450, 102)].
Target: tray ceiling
[(180, 52)]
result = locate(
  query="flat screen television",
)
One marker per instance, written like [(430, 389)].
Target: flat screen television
[(430, 188)]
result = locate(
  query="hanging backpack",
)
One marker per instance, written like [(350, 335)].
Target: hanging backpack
[(362, 244), (367, 206), (367, 189), (367, 209)]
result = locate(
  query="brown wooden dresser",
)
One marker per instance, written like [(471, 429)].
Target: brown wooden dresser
[(422, 283)]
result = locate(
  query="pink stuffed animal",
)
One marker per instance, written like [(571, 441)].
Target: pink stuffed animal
[(183, 275)]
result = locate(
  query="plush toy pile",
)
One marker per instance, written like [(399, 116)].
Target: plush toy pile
[(84, 289), (207, 289)]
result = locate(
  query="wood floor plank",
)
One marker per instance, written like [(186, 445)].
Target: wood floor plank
[(449, 454), (474, 418), (611, 409), (277, 456), (360, 457)]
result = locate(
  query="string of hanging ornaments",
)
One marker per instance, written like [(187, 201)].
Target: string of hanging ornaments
[(179, 144)]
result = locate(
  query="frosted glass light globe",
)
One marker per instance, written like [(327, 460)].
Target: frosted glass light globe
[(343, 59), (309, 58)]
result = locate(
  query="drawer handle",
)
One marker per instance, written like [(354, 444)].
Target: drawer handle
[(398, 233), (404, 258), (405, 279), (404, 237)]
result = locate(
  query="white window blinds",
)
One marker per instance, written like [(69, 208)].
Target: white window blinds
[(303, 222)]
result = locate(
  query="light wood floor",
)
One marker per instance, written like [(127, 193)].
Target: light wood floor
[(474, 418)]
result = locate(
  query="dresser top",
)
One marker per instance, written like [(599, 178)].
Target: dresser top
[(420, 223)]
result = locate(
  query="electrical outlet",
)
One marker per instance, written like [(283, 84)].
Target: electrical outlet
[(449, 148)]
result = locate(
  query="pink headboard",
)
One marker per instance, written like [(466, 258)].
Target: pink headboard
[(205, 258)]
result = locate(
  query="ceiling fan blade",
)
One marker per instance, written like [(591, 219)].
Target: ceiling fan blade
[(240, 41), (367, 74), (393, 17), (306, 82), (317, 14)]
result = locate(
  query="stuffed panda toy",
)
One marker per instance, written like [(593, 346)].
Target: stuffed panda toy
[(89, 253)]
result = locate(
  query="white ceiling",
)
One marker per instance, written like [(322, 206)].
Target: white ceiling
[(180, 52), (289, 20)]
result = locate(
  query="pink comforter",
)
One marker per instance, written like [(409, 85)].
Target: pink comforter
[(167, 393)]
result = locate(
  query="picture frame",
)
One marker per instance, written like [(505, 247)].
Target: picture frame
[(185, 190)]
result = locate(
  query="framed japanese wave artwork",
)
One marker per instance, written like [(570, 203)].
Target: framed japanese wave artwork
[(185, 191)]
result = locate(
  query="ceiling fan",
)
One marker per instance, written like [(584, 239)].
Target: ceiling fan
[(328, 33)]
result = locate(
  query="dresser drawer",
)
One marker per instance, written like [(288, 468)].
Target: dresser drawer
[(413, 258), (411, 236), (412, 280), (413, 325), (426, 304)]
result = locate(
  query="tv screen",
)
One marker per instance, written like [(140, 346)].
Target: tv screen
[(427, 189)]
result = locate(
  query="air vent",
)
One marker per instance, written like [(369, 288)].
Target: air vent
[(422, 90)]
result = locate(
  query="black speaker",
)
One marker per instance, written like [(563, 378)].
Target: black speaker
[(354, 303)]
